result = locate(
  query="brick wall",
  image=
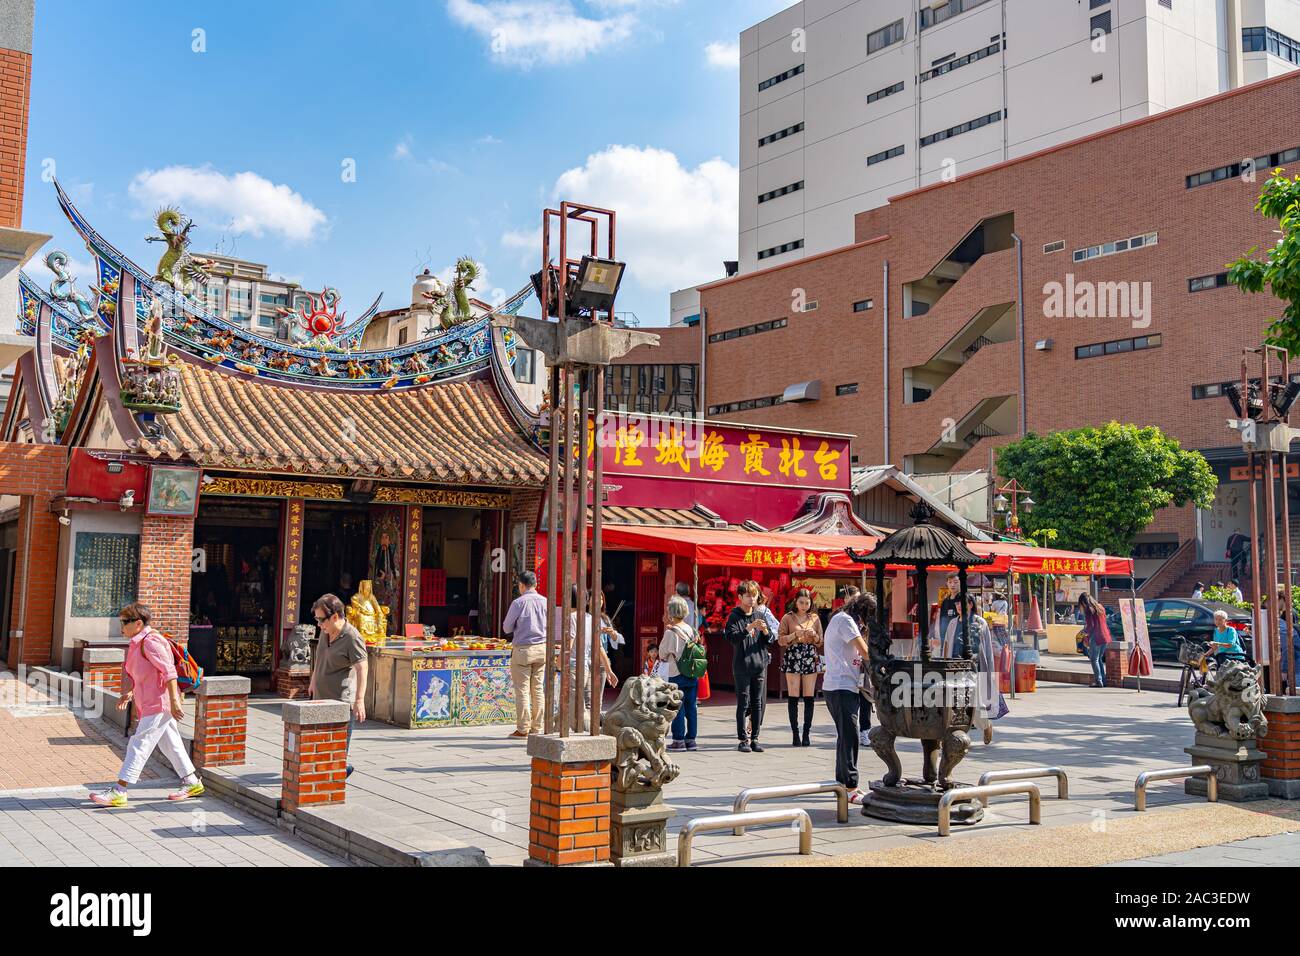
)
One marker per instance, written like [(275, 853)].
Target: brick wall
[(315, 764), (166, 552), (15, 89), (525, 505), (1085, 194), (221, 730), (38, 473), (569, 812)]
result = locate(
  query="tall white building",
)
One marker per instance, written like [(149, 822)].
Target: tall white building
[(844, 103)]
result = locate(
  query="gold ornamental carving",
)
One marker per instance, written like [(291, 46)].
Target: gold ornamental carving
[(437, 497), (273, 488)]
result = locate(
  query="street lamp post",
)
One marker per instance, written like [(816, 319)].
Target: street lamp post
[(1001, 502)]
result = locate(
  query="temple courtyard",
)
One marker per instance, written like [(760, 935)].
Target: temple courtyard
[(431, 796)]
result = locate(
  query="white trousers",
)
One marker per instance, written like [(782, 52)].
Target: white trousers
[(156, 730)]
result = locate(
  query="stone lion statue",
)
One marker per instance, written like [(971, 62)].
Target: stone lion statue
[(1231, 704), (638, 722)]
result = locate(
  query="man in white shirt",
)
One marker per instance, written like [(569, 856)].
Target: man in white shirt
[(1236, 591), (846, 650)]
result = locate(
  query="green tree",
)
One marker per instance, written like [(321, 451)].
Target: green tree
[(1279, 271), (1099, 487)]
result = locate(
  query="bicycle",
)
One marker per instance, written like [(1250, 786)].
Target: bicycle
[(1195, 658)]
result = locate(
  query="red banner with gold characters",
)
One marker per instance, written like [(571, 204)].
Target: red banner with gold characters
[(292, 577), (684, 448), (414, 530)]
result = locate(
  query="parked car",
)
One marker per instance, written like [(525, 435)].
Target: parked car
[(1171, 621)]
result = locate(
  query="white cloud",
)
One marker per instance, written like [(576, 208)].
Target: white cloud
[(723, 56), (523, 33), (242, 203), (675, 225), (488, 140), (402, 152)]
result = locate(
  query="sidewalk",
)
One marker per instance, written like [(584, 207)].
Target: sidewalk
[(427, 790), (50, 755)]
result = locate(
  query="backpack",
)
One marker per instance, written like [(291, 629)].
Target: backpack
[(189, 675), (693, 661)]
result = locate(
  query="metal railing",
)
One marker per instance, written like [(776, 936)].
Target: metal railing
[(745, 797), (729, 821), (963, 794), (1174, 773), (1029, 773)]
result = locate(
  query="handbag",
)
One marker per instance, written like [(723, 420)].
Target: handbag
[(702, 690)]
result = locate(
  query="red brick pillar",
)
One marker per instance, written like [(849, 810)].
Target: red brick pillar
[(166, 562), (1281, 747), (31, 620), (15, 88), (315, 753), (1117, 662), (568, 819), (220, 721), (102, 666)]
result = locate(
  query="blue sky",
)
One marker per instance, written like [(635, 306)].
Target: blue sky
[(462, 119)]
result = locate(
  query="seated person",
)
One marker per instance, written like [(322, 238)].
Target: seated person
[(1226, 643)]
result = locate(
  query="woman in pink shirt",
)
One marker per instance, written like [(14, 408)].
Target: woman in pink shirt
[(151, 672)]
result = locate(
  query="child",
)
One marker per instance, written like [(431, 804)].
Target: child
[(651, 666)]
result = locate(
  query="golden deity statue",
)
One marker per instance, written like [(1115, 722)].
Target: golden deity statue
[(367, 615)]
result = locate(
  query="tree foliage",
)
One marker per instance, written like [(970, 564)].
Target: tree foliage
[(1099, 487), (1279, 270)]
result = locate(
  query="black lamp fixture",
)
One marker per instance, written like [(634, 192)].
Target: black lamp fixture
[(1283, 397), (596, 284)]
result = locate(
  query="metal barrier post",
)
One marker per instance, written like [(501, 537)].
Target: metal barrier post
[(962, 794), (1174, 773), (745, 797), (1029, 773), (729, 821)]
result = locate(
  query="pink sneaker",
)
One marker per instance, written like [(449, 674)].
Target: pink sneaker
[(108, 798), (185, 792)]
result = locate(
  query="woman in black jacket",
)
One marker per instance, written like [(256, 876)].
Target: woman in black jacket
[(749, 635)]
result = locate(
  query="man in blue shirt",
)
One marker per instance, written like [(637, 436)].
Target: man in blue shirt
[(525, 624)]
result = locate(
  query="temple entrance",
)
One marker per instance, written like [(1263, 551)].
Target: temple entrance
[(335, 536), (233, 626), (618, 579)]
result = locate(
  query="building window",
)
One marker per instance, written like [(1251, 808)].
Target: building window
[(1094, 4), (781, 249), (883, 155), (958, 62), (1201, 283), (810, 306), (1217, 389), (1096, 77), (780, 134), (1119, 245), (1099, 24), (746, 405), (966, 127), (525, 366), (783, 191), (1056, 246), (747, 330), (780, 78), (885, 36), (1116, 346), (864, 305), (850, 389), (1261, 39), (887, 91), (402, 334), (945, 11), (1268, 161)]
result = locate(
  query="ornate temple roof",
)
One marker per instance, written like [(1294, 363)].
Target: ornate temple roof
[(452, 432)]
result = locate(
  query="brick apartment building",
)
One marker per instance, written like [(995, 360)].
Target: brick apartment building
[(910, 337)]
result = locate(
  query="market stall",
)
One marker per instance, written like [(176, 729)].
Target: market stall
[(440, 683)]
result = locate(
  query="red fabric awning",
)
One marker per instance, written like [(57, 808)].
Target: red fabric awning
[(727, 547)]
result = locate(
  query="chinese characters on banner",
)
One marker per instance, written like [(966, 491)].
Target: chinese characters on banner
[(685, 448), (293, 517), (798, 561), (414, 545), (1066, 566)]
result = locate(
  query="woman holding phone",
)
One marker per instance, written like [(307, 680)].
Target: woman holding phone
[(800, 637)]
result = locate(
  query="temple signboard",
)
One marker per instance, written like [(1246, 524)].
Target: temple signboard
[(105, 573), (682, 448)]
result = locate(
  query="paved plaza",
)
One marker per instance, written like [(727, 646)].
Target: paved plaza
[(431, 790)]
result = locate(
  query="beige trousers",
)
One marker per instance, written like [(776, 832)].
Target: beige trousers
[(528, 674)]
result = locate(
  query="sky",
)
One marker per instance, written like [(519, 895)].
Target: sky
[(356, 144)]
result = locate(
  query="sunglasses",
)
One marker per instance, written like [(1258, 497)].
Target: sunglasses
[(319, 619), (128, 620)]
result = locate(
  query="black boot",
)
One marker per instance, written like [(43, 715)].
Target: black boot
[(792, 703), (807, 720)]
